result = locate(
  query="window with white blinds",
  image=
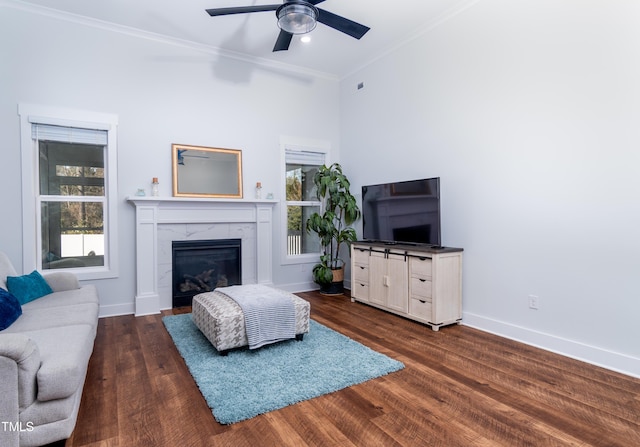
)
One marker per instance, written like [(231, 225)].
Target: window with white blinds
[(72, 163)]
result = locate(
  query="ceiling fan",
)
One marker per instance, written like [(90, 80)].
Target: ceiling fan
[(298, 17)]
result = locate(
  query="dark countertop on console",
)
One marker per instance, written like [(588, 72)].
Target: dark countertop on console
[(427, 248)]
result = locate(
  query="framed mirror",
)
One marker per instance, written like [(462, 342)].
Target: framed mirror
[(206, 171)]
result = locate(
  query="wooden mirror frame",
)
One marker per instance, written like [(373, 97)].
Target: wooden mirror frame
[(218, 173)]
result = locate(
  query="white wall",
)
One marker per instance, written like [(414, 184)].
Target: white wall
[(163, 94), (529, 112)]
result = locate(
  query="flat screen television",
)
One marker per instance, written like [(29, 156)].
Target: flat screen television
[(402, 212)]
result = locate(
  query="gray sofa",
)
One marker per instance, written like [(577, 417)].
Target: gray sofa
[(44, 357)]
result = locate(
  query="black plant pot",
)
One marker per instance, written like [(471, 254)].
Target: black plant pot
[(332, 288), (335, 287)]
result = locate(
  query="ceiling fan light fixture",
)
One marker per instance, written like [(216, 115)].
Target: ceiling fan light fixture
[(297, 17)]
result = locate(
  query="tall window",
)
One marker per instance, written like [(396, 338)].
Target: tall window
[(301, 200), (73, 177), (72, 196)]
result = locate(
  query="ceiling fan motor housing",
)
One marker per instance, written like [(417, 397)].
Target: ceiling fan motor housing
[(297, 17)]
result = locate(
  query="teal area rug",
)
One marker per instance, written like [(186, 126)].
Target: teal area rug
[(247, 383)]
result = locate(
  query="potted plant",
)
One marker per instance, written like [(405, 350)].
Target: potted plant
[(339, 211)]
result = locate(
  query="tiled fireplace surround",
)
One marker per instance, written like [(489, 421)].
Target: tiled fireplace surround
[(159, 221)]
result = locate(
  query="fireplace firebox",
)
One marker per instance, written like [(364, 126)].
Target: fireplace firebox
[(201, 266)]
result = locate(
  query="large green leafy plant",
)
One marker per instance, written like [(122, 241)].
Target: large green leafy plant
[(339, 211)]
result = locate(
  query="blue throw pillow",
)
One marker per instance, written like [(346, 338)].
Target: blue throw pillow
[(28, 287), (10, 309)]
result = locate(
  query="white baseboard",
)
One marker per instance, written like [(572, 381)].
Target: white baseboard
[(614, 361), (147, 304), (298, 287), (114, 310)]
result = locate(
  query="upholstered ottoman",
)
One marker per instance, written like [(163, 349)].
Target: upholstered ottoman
[(222, 321)]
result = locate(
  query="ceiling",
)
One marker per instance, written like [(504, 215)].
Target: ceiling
[(252, 36)]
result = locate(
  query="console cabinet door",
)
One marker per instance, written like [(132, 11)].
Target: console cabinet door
[(377, 273), (388, 284), (397, 283)]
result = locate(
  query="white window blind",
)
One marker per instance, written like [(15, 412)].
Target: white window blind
[(47, 132), (299, 157)]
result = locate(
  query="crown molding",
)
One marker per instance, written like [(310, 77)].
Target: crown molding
[(160, 38), (444, 17)]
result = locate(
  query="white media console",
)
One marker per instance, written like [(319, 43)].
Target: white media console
[(416, 282)]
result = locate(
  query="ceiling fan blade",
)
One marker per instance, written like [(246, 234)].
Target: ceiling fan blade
[(341, 24), (241, 10), (314, 2), (284, 39)]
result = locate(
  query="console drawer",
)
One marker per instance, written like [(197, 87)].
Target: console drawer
[(361, 273), (421, 288), (420, 308), (360, 256), (420, 267), (360, 290)]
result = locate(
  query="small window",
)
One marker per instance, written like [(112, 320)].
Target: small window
[(301, 200)]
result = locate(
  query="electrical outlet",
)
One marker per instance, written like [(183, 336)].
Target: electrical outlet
[(533, 302)]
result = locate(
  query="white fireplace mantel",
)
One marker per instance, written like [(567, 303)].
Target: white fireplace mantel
[(152, 212)]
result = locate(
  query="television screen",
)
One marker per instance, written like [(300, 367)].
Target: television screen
[(402, 212)]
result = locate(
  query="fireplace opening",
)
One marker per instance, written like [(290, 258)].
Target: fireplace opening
[(201, 266)]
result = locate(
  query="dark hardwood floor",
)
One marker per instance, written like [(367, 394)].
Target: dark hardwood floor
[(460, 387)]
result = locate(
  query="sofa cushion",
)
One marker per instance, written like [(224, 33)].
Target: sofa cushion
[(28, 287), (61, 281), (10, 309), (49, 412), (84, 295), (54, 317), (64, 354)]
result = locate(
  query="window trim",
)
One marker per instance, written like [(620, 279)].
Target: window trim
[(36, 114), (296, 144)]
